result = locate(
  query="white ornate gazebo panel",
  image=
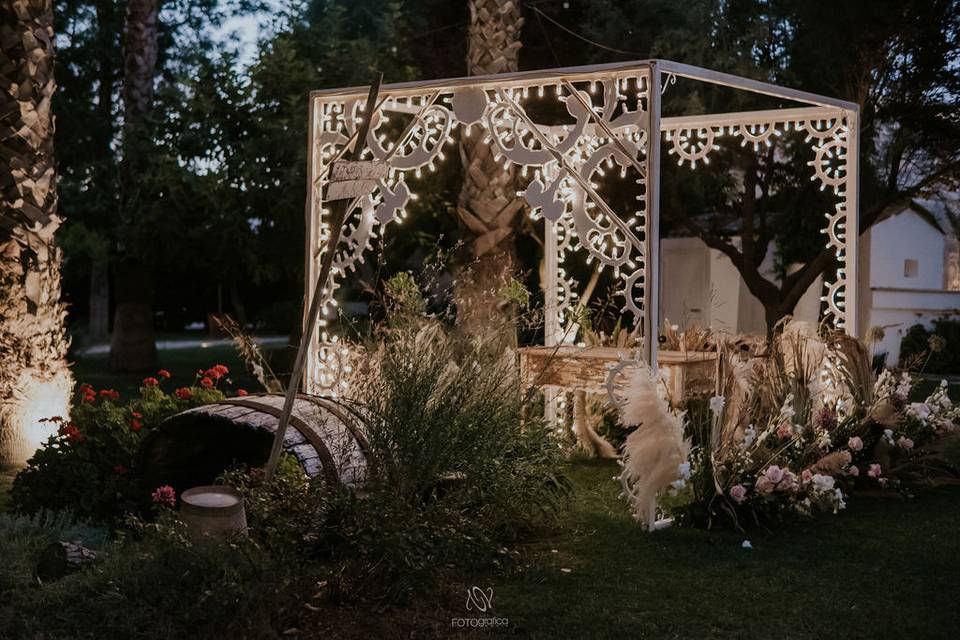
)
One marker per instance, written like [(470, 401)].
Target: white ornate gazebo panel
[(611, 124)]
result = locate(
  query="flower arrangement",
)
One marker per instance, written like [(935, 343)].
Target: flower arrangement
[(795, 432), (89, 466)]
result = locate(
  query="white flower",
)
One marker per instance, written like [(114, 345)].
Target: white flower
[(749, 435), (684, 469), (716, 404), (746, 544), (903, 387), (888, 436), (919, 410), (822, 483), (840, 502), (678, 484), (786, 410)]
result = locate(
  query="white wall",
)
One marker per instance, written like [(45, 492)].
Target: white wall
[(699, 284), (902, 237), (896, 310), (684, 281)]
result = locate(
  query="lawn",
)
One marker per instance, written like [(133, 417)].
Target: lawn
[(884, 568), (181, 363)]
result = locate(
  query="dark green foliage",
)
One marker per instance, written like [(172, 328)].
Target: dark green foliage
[(156, 585), (917, 347), (89, 467)]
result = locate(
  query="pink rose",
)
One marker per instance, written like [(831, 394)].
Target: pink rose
[(853, 471), (764, 485), (875, 471), (784, 431), (905, 443), (774, 474), (855, 443), (807, 475), (738, 492), (789, 482)]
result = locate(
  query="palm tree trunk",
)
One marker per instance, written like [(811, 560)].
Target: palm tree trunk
[(133, 344), (488, 207), (35, 381)]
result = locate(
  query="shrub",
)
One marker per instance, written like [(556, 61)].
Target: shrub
[(454, 469), (935, 350), (157, 585), (89, 466)]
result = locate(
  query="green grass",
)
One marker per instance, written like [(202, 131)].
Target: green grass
[(885, 568), (181, 363)]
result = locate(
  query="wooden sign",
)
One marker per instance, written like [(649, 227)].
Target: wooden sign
[(353, 179)]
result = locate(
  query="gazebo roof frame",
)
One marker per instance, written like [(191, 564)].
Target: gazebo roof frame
[(831, 123)]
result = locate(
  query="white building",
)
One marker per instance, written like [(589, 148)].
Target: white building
[(909, 274), (701, 285)]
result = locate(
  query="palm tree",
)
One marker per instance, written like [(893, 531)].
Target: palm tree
[(488, 208), (35, 382), (133, 345)]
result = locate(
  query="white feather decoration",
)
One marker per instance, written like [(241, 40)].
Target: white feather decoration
[(654, 451)]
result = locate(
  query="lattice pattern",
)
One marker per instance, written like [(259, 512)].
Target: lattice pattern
[(829, 138), (596, 132), (561, 163)]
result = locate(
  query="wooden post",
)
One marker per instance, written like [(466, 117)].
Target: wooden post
[(339, 212)]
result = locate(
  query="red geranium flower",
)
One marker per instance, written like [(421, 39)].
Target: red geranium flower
[(110, 394), (136, 414), (120, 469), (199, 373), (206, 382), (222, 369), (183, 393), (135, 424), (150, 382), (163, 373), (72, 432), (242, 392)]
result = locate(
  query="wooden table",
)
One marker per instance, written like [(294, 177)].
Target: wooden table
[(585, 369)]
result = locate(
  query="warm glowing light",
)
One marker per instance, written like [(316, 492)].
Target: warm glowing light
[(41, 399)]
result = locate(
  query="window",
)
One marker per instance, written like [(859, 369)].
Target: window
[(911, 269)]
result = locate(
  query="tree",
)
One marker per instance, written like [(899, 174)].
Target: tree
[(488, 208), (35, 382), (88, 71), (899, 60), (133, 345)]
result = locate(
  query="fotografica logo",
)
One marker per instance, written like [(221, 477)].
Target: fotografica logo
[(481, 601)]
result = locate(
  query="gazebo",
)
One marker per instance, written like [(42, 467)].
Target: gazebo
[(564, 128)]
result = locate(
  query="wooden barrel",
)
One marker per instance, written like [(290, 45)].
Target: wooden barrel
[(195, 446)]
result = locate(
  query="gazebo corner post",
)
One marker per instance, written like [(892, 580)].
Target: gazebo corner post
[(651, 226), (551, 320), (851, 302)]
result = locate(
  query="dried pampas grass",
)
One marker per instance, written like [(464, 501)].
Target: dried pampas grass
[(654, 451)]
